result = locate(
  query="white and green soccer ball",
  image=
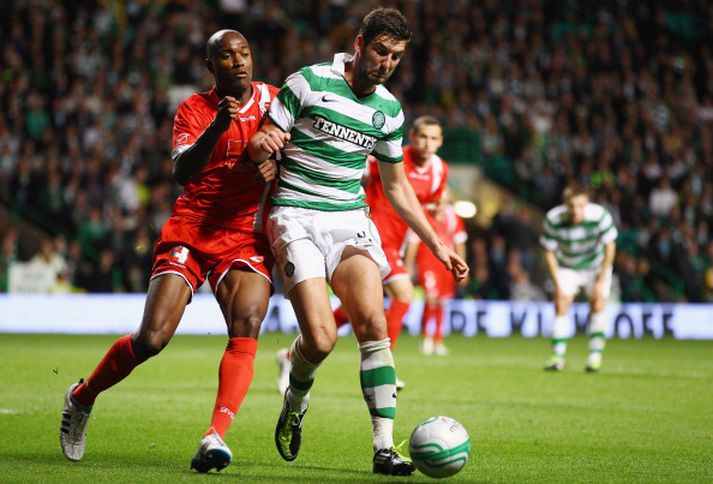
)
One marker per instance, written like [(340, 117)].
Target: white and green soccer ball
[(439, 447)]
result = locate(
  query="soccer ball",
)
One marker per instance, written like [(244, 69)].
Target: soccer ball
[(439, 447)]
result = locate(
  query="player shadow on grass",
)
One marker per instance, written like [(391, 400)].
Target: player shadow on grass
[(295, 472), (653, 374), (99, 464), (153, 465)]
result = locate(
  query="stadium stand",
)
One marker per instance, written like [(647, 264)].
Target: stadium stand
[(615, 94)]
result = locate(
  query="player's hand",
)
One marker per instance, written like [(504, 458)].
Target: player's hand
[(228, 108), (598, 290), (453, 263), (560, 298), (267, 170), (273, 141), (460, 268)]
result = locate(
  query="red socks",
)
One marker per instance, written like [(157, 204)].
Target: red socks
[(118, 362), (235, 376), (395, 319), (432, 313), (426, 319), (438, 316), (340, 316)]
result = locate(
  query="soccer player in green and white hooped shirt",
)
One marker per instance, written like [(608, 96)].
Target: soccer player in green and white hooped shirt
[(325, 121), (579, 242)]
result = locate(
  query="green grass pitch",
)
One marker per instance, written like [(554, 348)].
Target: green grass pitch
[(647, 417)]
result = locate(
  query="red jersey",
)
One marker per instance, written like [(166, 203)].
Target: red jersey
[(428, 182), (225, 193), (449, 227), (433, 276)]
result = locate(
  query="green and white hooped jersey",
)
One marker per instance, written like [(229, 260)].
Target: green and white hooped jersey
[(332, 132), (578, 246)]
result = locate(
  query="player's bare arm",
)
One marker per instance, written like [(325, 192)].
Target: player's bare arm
[(598, 292), (267, 170), (266, 142), (461, 251), (552, 269), (191, 161), (609, 253), (552, 266), (561, 301), (401, 195)]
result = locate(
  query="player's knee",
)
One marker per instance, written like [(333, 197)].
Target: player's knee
[(597, 304), (562, 304), (406, 298), (405, 295), (371, 328), (245, 326), (324, 346), (560, 308), (147, 345), (320, 344)]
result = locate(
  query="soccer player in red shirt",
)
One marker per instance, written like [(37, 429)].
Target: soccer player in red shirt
[(438, 285), (427, 174), (213, 233)]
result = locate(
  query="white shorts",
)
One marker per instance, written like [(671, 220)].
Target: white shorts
[(309, 243), (574, 280)]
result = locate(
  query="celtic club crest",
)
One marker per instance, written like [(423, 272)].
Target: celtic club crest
[(378, 119)]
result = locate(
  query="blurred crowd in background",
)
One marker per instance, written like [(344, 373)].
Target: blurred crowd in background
[(615, 94)]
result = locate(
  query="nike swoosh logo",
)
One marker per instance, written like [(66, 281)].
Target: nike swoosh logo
[(326, 99)]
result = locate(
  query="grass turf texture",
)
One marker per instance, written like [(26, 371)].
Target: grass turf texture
[(646, 417)]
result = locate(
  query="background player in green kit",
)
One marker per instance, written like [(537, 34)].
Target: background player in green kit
[(579, 241), (325, 121)]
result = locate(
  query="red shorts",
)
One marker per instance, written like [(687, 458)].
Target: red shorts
[(396, 261), (437, 282), (196, 251)]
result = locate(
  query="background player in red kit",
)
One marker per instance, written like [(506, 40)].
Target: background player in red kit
[(438, 285), (214, 232), (427, 173)]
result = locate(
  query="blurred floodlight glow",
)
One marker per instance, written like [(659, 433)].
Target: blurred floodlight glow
[(465, 209)]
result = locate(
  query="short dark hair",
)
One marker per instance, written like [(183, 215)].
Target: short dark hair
[(384, 21), (573, 189), (425, 120)]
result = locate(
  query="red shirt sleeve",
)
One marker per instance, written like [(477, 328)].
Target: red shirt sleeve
[(189, 123), (273, 90)]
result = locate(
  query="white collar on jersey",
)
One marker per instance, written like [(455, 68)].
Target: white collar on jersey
[(338, 63)]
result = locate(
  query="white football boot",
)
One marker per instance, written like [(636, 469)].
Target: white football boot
[(594, 362), (212, 454), (400, 384), (555, 363), (440, 349), (427, 346), (73, 430)]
